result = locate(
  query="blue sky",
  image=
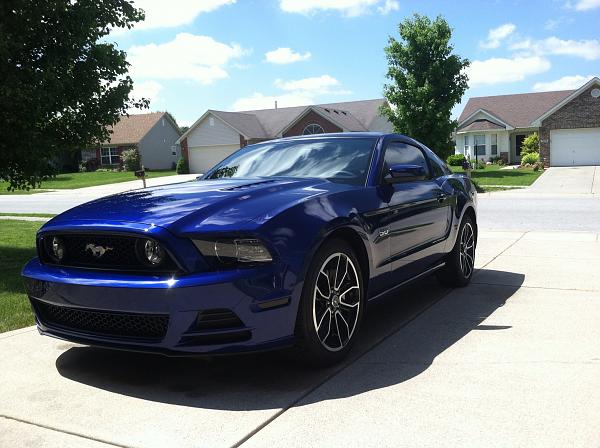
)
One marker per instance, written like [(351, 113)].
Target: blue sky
[(192, 55)]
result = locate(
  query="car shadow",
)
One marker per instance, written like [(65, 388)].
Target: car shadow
[(401, 336)]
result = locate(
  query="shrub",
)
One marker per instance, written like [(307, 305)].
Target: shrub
[(455, 159), (479, 165), (495, 159), (538, 166), (530, 158), (501, 162), (531, 144), (131, 159), (88, 165), (182, 167)]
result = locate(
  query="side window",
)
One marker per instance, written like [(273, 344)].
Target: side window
[(402, 153), (438, 167)]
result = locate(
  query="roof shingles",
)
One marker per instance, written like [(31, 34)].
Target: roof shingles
[(518, 110), (129, 130)]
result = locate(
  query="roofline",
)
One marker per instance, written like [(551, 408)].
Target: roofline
[(318, 112), (538, 121), (508, 126), (202, 117)]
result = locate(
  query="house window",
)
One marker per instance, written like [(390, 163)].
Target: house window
[(110, 156), (480, 145), (313, 129), (494, 144), (466, 148)]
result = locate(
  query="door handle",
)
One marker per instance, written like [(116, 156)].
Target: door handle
[(441, 197)]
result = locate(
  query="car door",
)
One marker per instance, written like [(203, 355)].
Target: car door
[(419, 211)]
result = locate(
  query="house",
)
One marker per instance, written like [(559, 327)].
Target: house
[(217, 134), (568, 123), (153, 134)]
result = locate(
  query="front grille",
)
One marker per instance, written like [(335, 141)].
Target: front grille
[(119, 252), (103, 323)]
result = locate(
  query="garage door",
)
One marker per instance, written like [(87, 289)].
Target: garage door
[(570, 147), (202, 158)]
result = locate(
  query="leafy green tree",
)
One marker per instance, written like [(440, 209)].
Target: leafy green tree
[(61, 83), (531, 144), (427, 81)]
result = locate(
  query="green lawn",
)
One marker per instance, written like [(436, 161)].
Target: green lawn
[(36, 215), (494, 175), (17, 245), (80, 180)]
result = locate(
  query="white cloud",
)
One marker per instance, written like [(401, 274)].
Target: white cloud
[(587, 48), (503, 70), (146, 89), (285, 55), (300, 92), (497, 35), (388, 6), (188, 56), (564, 83), (259, 101), (316, 85), (585, 5), (168, 14), (349, 8)]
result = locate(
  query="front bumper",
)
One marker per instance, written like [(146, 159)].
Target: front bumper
[(211, 312)]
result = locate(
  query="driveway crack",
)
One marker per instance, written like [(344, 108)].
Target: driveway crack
[(64, 431)]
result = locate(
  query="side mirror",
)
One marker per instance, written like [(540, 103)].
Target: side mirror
[(404, 173)]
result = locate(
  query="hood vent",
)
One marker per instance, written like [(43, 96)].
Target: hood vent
[(247, 186)]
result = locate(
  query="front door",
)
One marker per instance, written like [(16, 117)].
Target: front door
[(418, 213), (518, 143)]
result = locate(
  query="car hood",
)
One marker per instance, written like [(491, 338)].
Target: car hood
[(201, 205)]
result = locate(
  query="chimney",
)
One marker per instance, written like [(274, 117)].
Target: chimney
[(275, 104)]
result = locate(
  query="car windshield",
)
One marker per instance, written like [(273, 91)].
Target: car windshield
[(344, 160)]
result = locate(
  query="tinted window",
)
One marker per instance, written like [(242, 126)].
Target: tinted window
[(344, 160), (438, 167), (402, 153)]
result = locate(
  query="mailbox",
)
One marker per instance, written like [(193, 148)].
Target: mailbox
[(140, 173)]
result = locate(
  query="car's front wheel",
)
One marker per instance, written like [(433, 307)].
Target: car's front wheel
[(332, 304)]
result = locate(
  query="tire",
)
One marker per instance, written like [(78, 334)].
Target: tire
[(331, 309), (460, 263)]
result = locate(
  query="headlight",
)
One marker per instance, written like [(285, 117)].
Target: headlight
[(234, 251), (58, 249), (151, 252)]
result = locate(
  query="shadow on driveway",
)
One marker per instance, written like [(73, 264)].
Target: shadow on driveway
[(272, 380)]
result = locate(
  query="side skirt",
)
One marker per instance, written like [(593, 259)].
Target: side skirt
[(410, 280)]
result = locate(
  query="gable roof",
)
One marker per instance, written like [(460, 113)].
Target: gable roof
[(269, 123), (519, 110), (481, 125), (574, 94), (129, 130)]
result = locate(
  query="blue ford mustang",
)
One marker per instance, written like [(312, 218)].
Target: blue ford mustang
[(283, 243)]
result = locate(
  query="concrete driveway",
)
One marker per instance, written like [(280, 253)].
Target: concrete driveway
[(568, 180), (511, 360)]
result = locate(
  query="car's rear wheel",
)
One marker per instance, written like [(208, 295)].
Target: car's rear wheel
[(332, 305), (460, 263)]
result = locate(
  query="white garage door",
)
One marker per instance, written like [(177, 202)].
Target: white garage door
[(570, 147), (202, 158)]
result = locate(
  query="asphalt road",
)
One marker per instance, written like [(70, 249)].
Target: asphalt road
[(527, 211)]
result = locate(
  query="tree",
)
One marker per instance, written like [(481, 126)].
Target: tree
[(427, 81), (61, 83), (531, 144)]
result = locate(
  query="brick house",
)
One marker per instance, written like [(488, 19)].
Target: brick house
[(217, 134), (153, 134), (568, 123)]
